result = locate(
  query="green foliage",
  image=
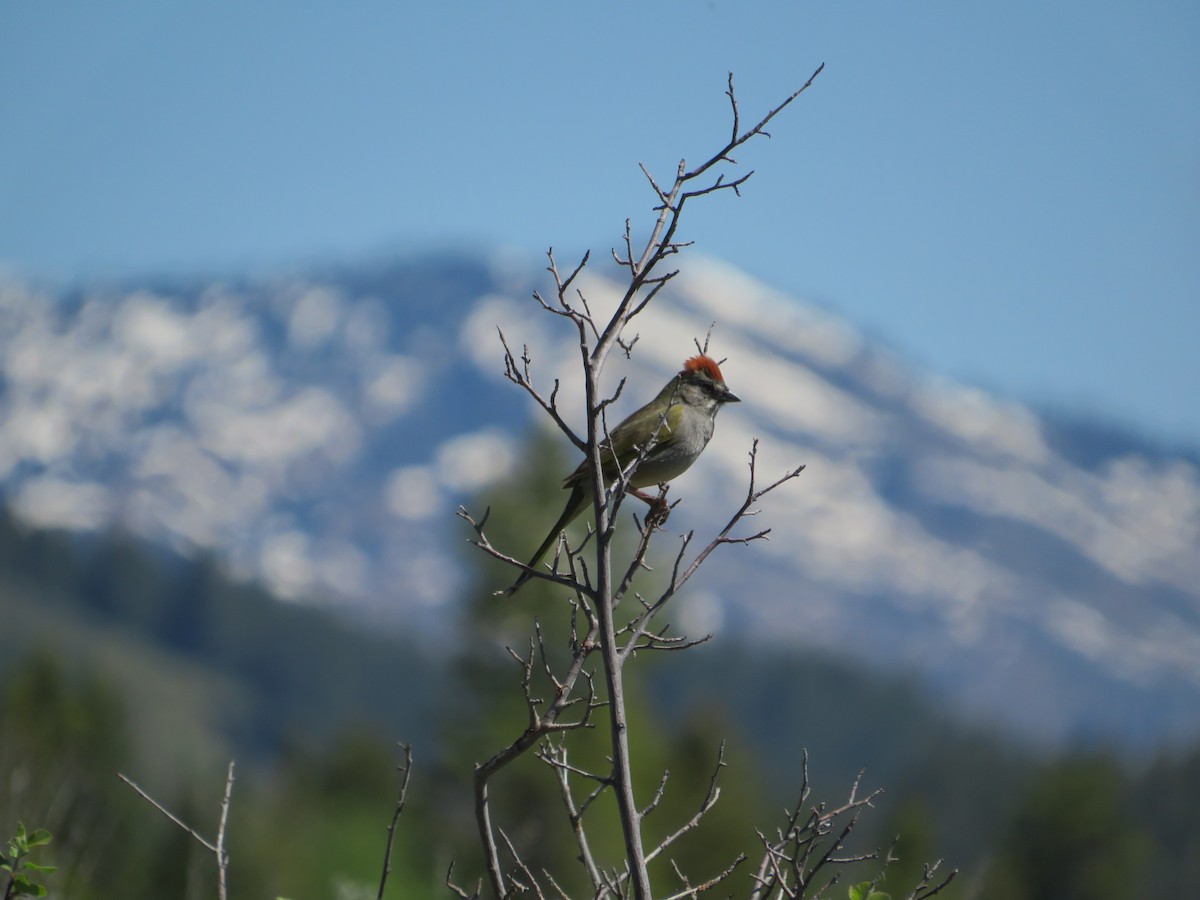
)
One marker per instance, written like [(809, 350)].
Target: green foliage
[(311, 708), (948, 786), (60, 742), (49, 715), (321, 831), (1072, 836), (866, 891), (913, 827), (131, 686), (296, 673), (1165, 801), (315, 830), (17, 867)]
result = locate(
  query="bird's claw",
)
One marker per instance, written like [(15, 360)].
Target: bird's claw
[(659, 511)]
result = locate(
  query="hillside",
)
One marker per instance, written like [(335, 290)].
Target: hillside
[(311, 708), (315, 432), (205, 669)]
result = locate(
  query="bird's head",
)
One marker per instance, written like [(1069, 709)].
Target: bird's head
[(702, 384)]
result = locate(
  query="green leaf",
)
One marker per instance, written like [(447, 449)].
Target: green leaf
[(39, 837), (865, 891), (34, 867), (23, 887)]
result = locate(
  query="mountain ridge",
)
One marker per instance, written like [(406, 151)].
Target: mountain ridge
[(317, 430)]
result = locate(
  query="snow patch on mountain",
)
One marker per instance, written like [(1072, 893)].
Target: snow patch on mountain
[(318, 432)]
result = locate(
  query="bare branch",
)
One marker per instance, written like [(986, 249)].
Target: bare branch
[(487, 837), (481, 541), (627, 346), (925, 887), (562, 286), (673, 644), (531, 883), (217, 848), (662, 195), (538, 727), (657, 798), (563, 895), (736, 140), (222, 854), (458, 890), (652, 293), (596, 591), (211, 848), (520, 376), (678, 577), (802, 852), (703, 350), (734, 108), (557, 757), (401, 797), (710, 800), (753, 495), (711, 883)]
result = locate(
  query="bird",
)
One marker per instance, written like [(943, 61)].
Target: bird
[(676, 427)]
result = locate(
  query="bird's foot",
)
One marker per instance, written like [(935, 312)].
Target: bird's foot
[(660, 509)]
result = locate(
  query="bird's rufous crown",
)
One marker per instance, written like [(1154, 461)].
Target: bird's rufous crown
[(705, 364)]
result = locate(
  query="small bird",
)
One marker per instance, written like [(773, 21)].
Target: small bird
[(676, 426)]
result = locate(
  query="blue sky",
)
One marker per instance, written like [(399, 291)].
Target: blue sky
[(1006, 194)]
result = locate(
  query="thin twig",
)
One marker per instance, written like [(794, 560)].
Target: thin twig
[(401, 797), (222, 855), (557, 757), (710, 800), (531, 882), (923, 889), (217, 848), (211, 848), (712, 882), (458, 890)]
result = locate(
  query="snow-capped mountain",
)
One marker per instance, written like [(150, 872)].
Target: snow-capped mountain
[(318, 430)]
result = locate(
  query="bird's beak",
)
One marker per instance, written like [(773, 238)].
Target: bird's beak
[(730, 397)]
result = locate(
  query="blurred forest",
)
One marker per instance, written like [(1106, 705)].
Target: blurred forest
[(122, 657)]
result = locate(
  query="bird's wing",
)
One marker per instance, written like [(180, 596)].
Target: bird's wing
[(646, 421), (626, 439)]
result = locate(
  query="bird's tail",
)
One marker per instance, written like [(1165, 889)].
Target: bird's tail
[(575, 504)]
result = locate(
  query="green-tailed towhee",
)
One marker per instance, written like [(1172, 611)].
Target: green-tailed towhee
[(675, 426)]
